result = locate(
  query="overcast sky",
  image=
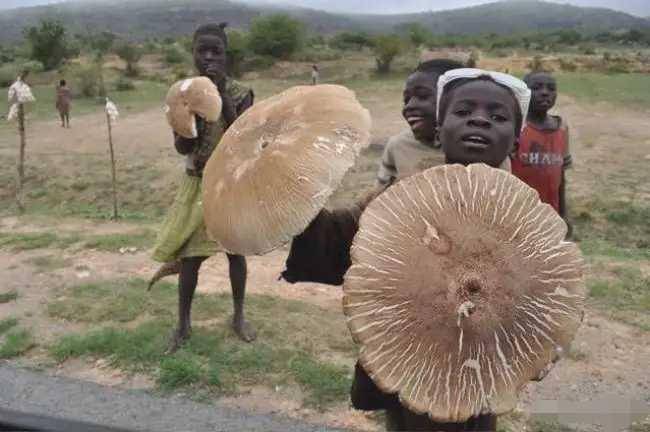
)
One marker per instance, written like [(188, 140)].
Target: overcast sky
[(637, 7)]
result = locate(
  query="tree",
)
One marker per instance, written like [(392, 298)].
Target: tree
[(278, 35), (100, 43), (417, 34), (387, 47), (131, 54), (351, 40), (48, 43), (236, 52)]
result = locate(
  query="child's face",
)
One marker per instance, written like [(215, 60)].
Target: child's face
[(544, 92), (210, 56), (479, 124), (420, 105)]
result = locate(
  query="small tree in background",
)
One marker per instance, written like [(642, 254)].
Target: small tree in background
[(48, 43), (236, 52), (417, 34), (387, 47), (277, 36), (131, 54), (100, 44)]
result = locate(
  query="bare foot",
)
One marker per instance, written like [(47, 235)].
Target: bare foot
[(244, 330), (177, 339)]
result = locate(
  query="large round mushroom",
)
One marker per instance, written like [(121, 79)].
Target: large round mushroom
[(462, 290), (188, 98), (278, 164)]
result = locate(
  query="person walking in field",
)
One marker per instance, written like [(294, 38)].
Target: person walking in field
[(543, 155), (63, 102), (183, 244), (315, 74)]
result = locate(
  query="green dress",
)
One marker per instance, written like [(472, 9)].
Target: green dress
[(183, 233)]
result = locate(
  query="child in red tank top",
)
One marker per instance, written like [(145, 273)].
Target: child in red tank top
[(543, 151)]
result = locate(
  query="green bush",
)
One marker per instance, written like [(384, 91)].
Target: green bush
[(387, 47), (8, 74), (257, 62), (48, 43), (124, 84), (278, 36), (351, 41), (33, 66), (174, 54), (87, 80)]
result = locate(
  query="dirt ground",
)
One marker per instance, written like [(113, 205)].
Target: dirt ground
[(613, 357)]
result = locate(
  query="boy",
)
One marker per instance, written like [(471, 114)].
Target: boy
[(480, 120), (183, 243), (416, 149), (543, 153), (316, 254)]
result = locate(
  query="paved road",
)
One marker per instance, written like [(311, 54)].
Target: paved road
[(40, 394)]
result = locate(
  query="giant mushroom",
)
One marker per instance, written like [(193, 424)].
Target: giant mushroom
[(189, 98), (462, 289), (277, 165)]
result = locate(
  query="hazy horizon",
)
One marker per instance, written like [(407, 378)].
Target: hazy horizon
[(635, 7)]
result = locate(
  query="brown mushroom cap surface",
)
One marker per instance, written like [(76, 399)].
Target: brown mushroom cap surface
[(190, 97), (278, 163), (462, 289)]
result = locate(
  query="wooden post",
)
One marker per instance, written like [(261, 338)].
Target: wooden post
[(21, 159), (110, 145)]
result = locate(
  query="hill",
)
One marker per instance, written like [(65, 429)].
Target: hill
[(138, 19), (512, 16)]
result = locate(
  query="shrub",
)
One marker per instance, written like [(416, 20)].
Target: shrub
[(124, 84), (48, 43), (8, 74), (277, 36), (567, 65), (87, 81), (387, 47), (174, 54)]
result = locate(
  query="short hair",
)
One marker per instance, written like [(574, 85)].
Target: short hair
[(453, 85), (213, 29), (437, 67), (529, 76), (62, 82)]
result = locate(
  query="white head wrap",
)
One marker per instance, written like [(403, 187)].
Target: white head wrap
[(518, 87)]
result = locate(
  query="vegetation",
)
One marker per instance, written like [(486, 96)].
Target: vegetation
[(386, 48), (7, 297), (48, 43), (16, 343), (213, 359), (277, 36), (131, 54)]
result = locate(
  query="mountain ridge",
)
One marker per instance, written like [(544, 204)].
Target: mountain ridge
[(139, 19)]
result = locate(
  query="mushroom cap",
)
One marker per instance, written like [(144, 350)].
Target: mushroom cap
[(462, 289), (278, 163), (190, 97)]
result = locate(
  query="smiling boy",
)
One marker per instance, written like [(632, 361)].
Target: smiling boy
[(416, 148)]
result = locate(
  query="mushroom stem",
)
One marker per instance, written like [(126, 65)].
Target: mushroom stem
[(464, 310)]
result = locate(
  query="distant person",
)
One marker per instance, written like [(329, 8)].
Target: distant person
[(416, 148), (315, 74), (63, 102), (543, 153)]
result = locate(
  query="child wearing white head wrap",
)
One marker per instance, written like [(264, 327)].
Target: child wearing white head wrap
[(518, 88)]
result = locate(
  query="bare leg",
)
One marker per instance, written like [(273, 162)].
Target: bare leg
[(62, 115), (238, 273), (187, 280), (67, 120)]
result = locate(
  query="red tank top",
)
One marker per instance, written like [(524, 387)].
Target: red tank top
[(540, 159)]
